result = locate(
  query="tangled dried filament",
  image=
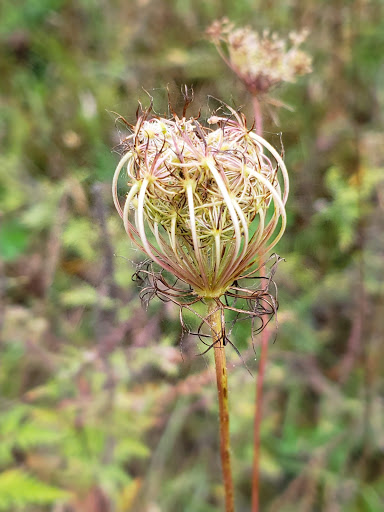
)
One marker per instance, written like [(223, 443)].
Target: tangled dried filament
[(205, 204)]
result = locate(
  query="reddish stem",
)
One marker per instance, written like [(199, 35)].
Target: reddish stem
[(257, 422), (262, 364), (215, 321), (257, 115)]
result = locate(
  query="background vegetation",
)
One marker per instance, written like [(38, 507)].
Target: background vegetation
[(99, 411)]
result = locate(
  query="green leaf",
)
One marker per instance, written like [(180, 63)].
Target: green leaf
[(18, 490), (13, 239), (131, 448), (83, 295), (80, 236), (19, 430)]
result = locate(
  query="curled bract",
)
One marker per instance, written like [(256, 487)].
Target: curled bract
[(205, 204)]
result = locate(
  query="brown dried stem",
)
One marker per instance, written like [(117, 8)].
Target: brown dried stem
[(216, 322)]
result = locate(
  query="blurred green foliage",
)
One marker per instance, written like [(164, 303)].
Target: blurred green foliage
[(98, 410)]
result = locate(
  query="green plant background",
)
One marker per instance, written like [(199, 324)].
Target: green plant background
[(99, 411)]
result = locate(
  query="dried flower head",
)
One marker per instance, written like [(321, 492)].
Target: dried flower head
[(205, 204), (261, 61)]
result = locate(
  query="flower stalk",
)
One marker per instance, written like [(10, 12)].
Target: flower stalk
[(255, 486), (216, 322)]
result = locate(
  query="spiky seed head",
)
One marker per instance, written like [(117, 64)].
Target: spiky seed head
[(205, 204), (260, 60)]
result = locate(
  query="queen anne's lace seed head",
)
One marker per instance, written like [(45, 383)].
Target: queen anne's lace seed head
[(260, 60), (198, 197)]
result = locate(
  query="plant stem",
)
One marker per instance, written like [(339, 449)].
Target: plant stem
[(262, 363), (257, 422), (257, 115), (215, 322)]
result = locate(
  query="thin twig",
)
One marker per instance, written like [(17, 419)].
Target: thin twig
[(54, 245), (107, 286)]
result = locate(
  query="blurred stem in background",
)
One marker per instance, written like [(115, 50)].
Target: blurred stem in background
[(263, 358), (216, 321)]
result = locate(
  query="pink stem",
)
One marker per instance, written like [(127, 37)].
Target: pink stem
[(262, 364), (258, 115), (257, 422)]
